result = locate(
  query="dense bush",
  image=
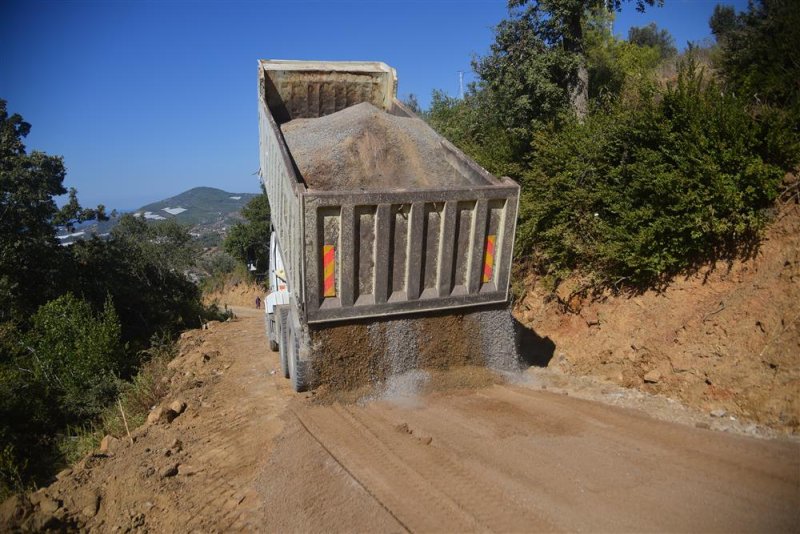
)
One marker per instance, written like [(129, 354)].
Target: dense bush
[(640, 193), (75, 356), (759, 49), (63, 371)]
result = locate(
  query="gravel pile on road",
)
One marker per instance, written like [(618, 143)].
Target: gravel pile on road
[(374, 353), (362, 147)]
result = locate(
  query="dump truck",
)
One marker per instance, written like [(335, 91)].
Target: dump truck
[(390, 249)]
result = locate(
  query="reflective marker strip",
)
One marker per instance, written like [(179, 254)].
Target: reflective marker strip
[(488, 263), (328, 266)]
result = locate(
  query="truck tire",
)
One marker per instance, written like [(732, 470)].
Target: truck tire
[(299, 368), (300, 380), (282, 318)]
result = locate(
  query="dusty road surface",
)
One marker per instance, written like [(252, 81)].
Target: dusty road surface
[(509, 459), (505, 458)]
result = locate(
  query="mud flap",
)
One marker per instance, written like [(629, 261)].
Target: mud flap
[(272, 334)]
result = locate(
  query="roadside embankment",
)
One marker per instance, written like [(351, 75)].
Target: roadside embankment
[(725, 340)]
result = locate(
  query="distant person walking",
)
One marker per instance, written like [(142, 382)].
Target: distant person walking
[(258, 303)]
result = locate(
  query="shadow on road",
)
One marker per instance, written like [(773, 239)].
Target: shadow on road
[(534, 350)]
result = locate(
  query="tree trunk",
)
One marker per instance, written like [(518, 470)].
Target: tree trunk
[(579, 84), (579, 92)]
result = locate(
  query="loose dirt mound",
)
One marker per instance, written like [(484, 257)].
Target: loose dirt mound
[(362, 147), (726, 340)]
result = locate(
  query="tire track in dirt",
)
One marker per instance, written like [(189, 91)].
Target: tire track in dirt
[(399, 487), (492, 509), (507, 458)]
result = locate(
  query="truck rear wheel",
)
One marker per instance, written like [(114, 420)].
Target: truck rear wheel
[(282, 322), (299, 368), (300, 377)]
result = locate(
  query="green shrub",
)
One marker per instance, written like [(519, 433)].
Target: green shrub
[(11, 469), (136, 397), (76, 355), (641, 192)]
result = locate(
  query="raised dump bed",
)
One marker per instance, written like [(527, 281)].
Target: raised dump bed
[(374, 213)]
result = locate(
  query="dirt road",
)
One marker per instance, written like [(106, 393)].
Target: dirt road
[(509, 459), (257, 457)]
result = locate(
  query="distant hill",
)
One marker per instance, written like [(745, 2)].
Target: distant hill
[(204, 206), (208, 212)]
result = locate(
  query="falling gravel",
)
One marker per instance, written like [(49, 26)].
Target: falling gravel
[(362, 147)]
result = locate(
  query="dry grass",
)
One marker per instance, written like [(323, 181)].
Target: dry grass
[(136, 397)]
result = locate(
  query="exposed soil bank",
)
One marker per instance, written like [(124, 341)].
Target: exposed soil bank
[(235, 294), (725, 340)]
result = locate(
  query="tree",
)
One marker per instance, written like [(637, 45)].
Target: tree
[(723, 21), (30, 257), (651, 36), (760, 46), (249, 241), (76, 354), (142, 267), (537, 64), (411, 103)]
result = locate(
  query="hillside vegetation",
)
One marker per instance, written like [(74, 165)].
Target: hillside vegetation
[(657, 175), (76, 323)]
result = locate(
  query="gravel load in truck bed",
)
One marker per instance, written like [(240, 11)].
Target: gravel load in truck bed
[(362, 147)]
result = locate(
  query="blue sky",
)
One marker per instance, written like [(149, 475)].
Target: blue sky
[(147, 99)]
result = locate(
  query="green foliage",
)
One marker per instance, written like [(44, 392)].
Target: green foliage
[(650, 36), (61, 372), (29, 254), (641, 193), (10, 472), (249, 241), (142, 267), (468, 123), (75, 355), (220, 268), (74, 320), (136, 397), (723, 21), (536, 67), (412, 104), (616, 67), (525, 77), (758, 62), (760, 50)]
